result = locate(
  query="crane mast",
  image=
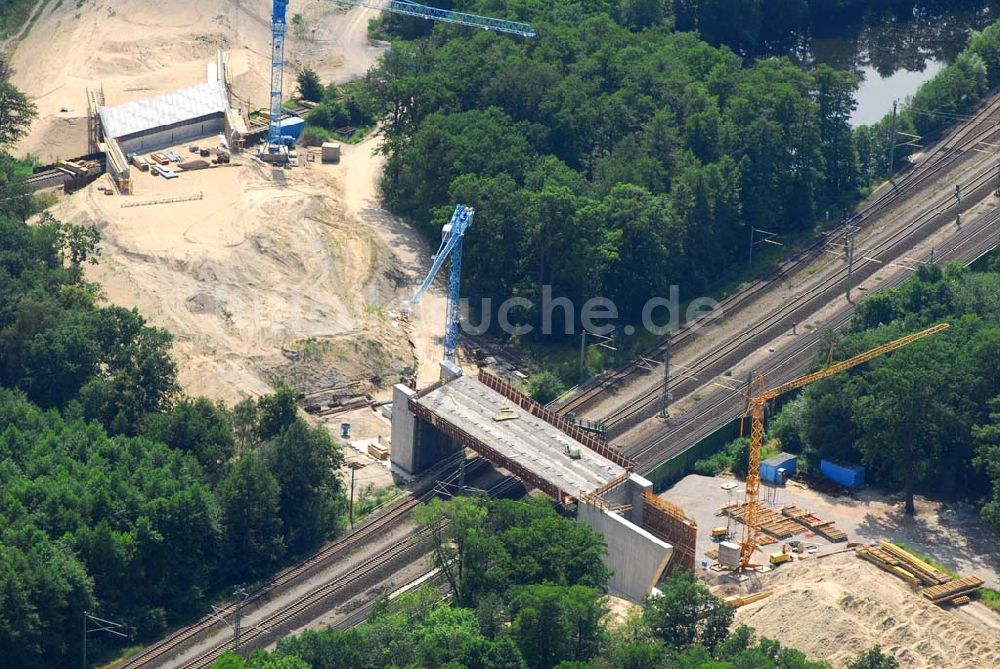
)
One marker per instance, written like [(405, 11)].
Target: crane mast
[(279, 27), (759, 397), (451, 247)]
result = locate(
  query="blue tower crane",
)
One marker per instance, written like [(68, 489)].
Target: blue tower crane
[(451, 245), (279, 27)]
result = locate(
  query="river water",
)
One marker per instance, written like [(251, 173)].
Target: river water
[(896, 52)]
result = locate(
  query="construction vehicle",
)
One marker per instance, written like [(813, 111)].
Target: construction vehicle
[(780, 558), (756, 403), (720, 533), (274, 148)]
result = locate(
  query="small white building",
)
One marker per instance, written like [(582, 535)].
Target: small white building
[(167, 120)]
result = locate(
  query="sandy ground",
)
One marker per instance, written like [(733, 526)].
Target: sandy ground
[(951, 534), (294, 275), (836, 606), (139, 48)]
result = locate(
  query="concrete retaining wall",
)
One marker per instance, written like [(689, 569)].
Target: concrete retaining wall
[(636, 558)]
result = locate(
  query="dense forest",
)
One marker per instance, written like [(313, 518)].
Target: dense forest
[(527, 594), (615, 156), (924, 418), (118, 494)]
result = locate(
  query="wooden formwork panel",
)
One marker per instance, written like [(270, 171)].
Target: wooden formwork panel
[(961, 587), (768, 521), (669, 523), (824, 528)]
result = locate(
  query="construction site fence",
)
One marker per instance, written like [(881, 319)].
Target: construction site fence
[(552, 418), (669, 523), (467, 440)]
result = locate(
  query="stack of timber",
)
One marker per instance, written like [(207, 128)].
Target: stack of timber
[(938, 586), (768, 521), (956, 592), (743, 600), (824, 528)]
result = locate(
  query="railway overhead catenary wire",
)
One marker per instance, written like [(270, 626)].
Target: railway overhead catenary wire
[(720, 406), (947, 153), (286, 618), (390, 516)]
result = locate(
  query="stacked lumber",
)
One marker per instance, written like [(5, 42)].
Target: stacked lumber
[(926, 573), (938, 586), (824, 528), (886, 562), (768, 521), (954, 591), (743, 600)]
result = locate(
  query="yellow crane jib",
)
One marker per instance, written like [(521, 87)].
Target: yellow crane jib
[(759, 398)]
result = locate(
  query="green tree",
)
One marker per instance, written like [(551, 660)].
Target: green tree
[(16, 114), (686, 614), (908, 414), (250, 504), (276, 412), (199, 427), (987, 439), (306, 462), (310, 87), (553, 623), (545, 387), (455, 525), (874, 658)]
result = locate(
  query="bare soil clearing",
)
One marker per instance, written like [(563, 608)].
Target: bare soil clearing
[(274, 274)]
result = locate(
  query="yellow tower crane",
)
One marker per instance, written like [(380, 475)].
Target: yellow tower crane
[(755, 410)]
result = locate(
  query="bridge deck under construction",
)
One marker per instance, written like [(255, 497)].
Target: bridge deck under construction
[(527, 445)]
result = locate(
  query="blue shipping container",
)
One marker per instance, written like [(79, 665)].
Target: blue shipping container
[(292, 127), (769, 468), (846, 475)]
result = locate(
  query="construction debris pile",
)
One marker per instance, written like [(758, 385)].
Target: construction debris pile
[(937, 586)]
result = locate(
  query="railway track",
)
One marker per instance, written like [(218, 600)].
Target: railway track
[(718, 360), (982, 126), (282, 619), (976, 238), (393, 514)]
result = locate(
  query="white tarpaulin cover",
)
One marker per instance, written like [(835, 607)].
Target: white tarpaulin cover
[(177, 107)]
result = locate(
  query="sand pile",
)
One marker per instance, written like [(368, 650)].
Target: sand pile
[(836, 607)]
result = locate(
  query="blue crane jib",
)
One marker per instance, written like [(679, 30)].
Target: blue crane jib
[(279, 27), (451, 246), (446, 15)]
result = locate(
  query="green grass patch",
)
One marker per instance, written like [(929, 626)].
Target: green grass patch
[(929, 560), (23, 167), (371, 499), (990, 598)]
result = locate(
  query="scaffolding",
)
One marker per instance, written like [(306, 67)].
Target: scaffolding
[(669, 523)]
